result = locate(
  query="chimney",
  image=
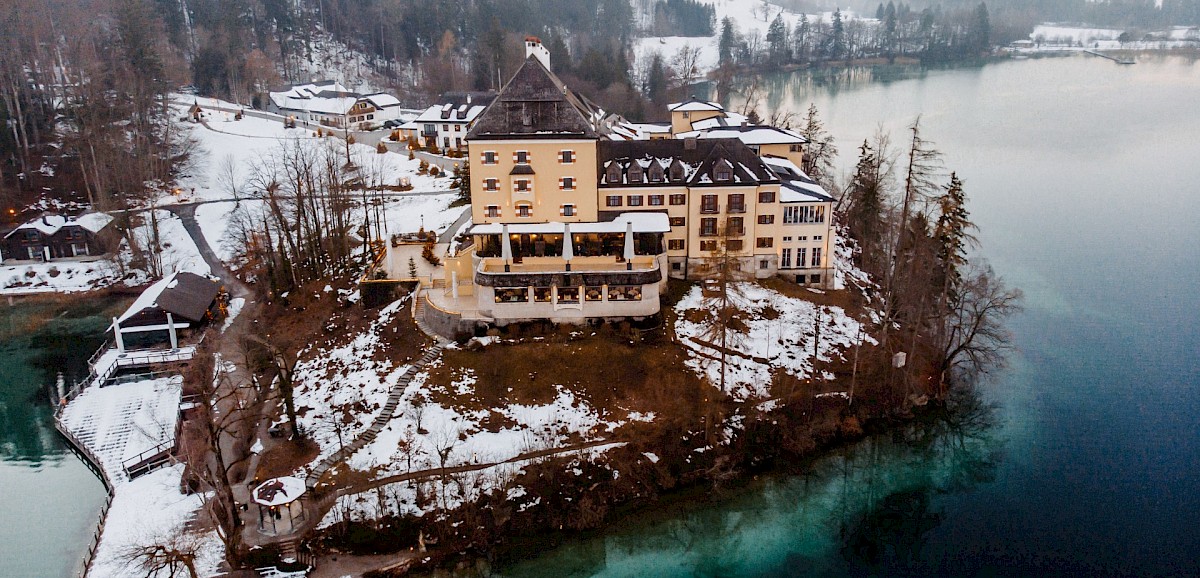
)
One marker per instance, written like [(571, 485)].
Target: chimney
[(745, 123), (468, 98), (534, 47)]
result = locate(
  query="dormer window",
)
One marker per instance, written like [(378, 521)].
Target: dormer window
[(723, 171), (656, 173), (635, 173), (614, 173), (676, 171)]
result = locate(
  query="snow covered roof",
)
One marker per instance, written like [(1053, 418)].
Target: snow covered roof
[(279, 491), (754, 135), (695, 104), (183, 294), (321, 97), (643, 222), (728, 119), (310, 89), (690, 161), (50, 224), (795, 185), (464, 113), (637, 130), (382, 100)]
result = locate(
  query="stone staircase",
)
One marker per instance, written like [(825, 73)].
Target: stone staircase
[(393, 401)]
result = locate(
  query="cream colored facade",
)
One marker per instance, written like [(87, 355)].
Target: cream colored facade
[(554, 180), (570, 226)]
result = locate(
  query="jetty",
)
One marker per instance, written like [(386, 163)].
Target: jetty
[(1112, 58)]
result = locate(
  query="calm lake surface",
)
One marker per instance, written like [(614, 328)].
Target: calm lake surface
[(50, 499), (1084, 178)]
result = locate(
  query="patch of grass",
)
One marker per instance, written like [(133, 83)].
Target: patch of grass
[(285, 457), (609, 371), (847, 300)]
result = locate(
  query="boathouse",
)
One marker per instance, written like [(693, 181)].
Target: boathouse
[(181, 301)]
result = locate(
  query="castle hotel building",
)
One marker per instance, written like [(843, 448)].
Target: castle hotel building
[(578, 214)]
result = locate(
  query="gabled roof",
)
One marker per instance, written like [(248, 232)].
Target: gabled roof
[(50, 224), (698, 158), (448, 113), (535, 104), (182, 294), (381, 100), (795, 185), (695, 104), (751, 134)]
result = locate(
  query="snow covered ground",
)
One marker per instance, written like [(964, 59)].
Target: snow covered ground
[(340, 390), (151, 510), (402, 498), (58, 276), (748, 16), (423, 430), (779, 329), (63, 276), (118, 422)]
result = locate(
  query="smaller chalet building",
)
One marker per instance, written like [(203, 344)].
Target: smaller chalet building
[(331, 104), (51, 237), (179, 301), (445, 125)]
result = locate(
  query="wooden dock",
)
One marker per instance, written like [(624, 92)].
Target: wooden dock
[(1112, 58)]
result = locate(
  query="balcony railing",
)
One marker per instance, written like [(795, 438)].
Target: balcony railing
[(737, 208), (710, 209), (558, 265)]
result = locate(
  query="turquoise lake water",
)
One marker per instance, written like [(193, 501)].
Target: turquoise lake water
[(51, 500), (1084, 178)]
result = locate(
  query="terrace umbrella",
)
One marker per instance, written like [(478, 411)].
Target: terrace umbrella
[(629, 244), (505, 246), (568, 251)]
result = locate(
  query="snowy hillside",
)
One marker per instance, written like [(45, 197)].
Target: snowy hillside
[(749, 17)]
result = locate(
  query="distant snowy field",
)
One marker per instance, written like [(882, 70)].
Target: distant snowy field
[(748, 16)]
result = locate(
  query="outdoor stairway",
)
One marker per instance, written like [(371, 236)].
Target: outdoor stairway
[(389, 408)]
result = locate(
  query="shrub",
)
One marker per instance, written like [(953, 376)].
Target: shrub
[(427, 252), (381, 148), (434, 171), (350, 139)]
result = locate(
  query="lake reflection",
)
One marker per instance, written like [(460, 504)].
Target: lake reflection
[(865, 508), (1082, 176)]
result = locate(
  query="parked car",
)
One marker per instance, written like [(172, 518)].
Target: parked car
[(391, 123)]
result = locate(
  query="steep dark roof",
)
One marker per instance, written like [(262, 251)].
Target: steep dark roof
[(535, 104), (699, 157), (190, 297)]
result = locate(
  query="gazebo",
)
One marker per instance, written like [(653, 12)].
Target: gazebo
[(279, 507)]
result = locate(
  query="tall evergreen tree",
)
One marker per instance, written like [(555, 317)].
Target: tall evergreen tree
[(864, 214), (820, 151), (727, 43), (953, 237), (979, 35)]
